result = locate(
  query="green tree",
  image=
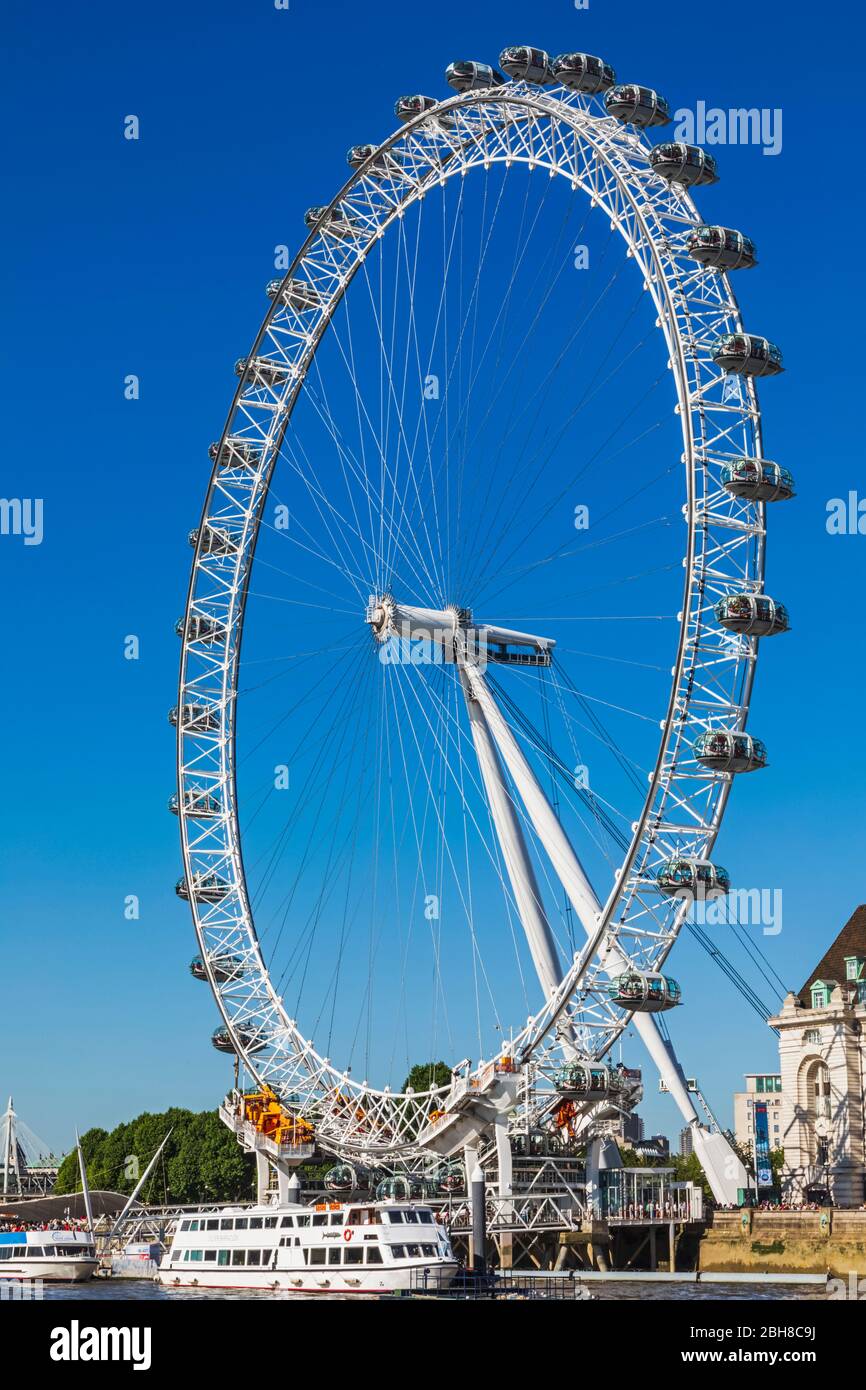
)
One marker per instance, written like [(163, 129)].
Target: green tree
[(202, 1161), (425, 1075)]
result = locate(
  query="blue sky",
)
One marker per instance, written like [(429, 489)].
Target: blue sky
[(148, 257)]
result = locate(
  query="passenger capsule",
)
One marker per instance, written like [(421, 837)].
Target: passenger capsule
[(411, 107), (449, 1177), (262, 371), (333, 223), (223, 968), (201, 629), (298, 294), (753, 615), (341, 1178), (726, 750), (472, 77), (196, 719), (526, 64), (759, 480), (371, 155), (696, 877), (236, 452), (744, 354), (584, 1079), (644, 991), (688, 165), (204, 888), (722, 248), (198, 802), (216, 540), (639, 106), (248, 1039), (400, 1189), (581, 72)]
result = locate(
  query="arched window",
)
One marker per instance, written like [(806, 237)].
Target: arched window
[(815, 1104), (819, 1085)]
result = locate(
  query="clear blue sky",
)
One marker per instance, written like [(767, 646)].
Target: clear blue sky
[(148, 257)]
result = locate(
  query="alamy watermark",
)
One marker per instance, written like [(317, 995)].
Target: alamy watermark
[(711, 125), (21, 1291), (853, 1288), (846, 516), (414, 646), (743, 907), (22, 516)]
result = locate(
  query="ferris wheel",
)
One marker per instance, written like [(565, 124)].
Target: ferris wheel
[(488, 510)]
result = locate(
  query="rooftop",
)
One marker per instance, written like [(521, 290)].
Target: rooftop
[(851, 941)]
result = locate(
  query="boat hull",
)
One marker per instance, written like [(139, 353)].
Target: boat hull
[(372, 1282), (50, 1271)]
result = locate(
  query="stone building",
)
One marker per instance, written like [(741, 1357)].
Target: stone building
[(822, 1056)]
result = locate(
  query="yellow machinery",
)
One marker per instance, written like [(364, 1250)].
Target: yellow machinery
[(264, 1111)]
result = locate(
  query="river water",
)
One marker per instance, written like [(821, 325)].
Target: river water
[(132, 1290)]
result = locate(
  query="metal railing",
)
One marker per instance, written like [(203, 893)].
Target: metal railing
[(530, 1213), (505, 1283)]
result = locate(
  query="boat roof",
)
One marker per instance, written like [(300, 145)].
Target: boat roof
[(285, 1208), (57, 1237)]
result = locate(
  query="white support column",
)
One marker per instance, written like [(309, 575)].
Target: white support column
[(551, 834), (505, 1187), (263, 1177), (515, 853), (723, 1168)]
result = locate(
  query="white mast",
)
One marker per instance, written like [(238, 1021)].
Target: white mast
[(10, 1147), (84, 1187), (138, 1186)]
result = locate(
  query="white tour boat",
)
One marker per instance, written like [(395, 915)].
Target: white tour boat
[(331, 1248), (57, 1256)]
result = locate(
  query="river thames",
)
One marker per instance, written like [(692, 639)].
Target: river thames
[(615, 1291)]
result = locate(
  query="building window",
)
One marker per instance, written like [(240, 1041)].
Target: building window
[(812, 1035)]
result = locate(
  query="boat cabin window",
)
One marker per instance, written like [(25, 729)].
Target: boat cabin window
[(270, 1223), (320, 1219), (241, 1223), (36, 1251), (225, 1225), (303, 1220), (398, 1251), (211, 1225), (426, 1218), (374, 1255), (363, 1216), (336, 1218), (396, 1218), (256, 1223), (287, 1221), (355, 1255), (334, 1255), (317, 1256), (210, 1256)]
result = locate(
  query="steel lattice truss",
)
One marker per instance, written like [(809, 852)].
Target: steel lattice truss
[(571, 137)]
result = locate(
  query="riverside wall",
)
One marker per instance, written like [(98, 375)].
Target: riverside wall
[(815, 1242)]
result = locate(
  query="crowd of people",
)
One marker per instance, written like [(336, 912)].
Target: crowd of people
[(766, 1205), (74, 1225)]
